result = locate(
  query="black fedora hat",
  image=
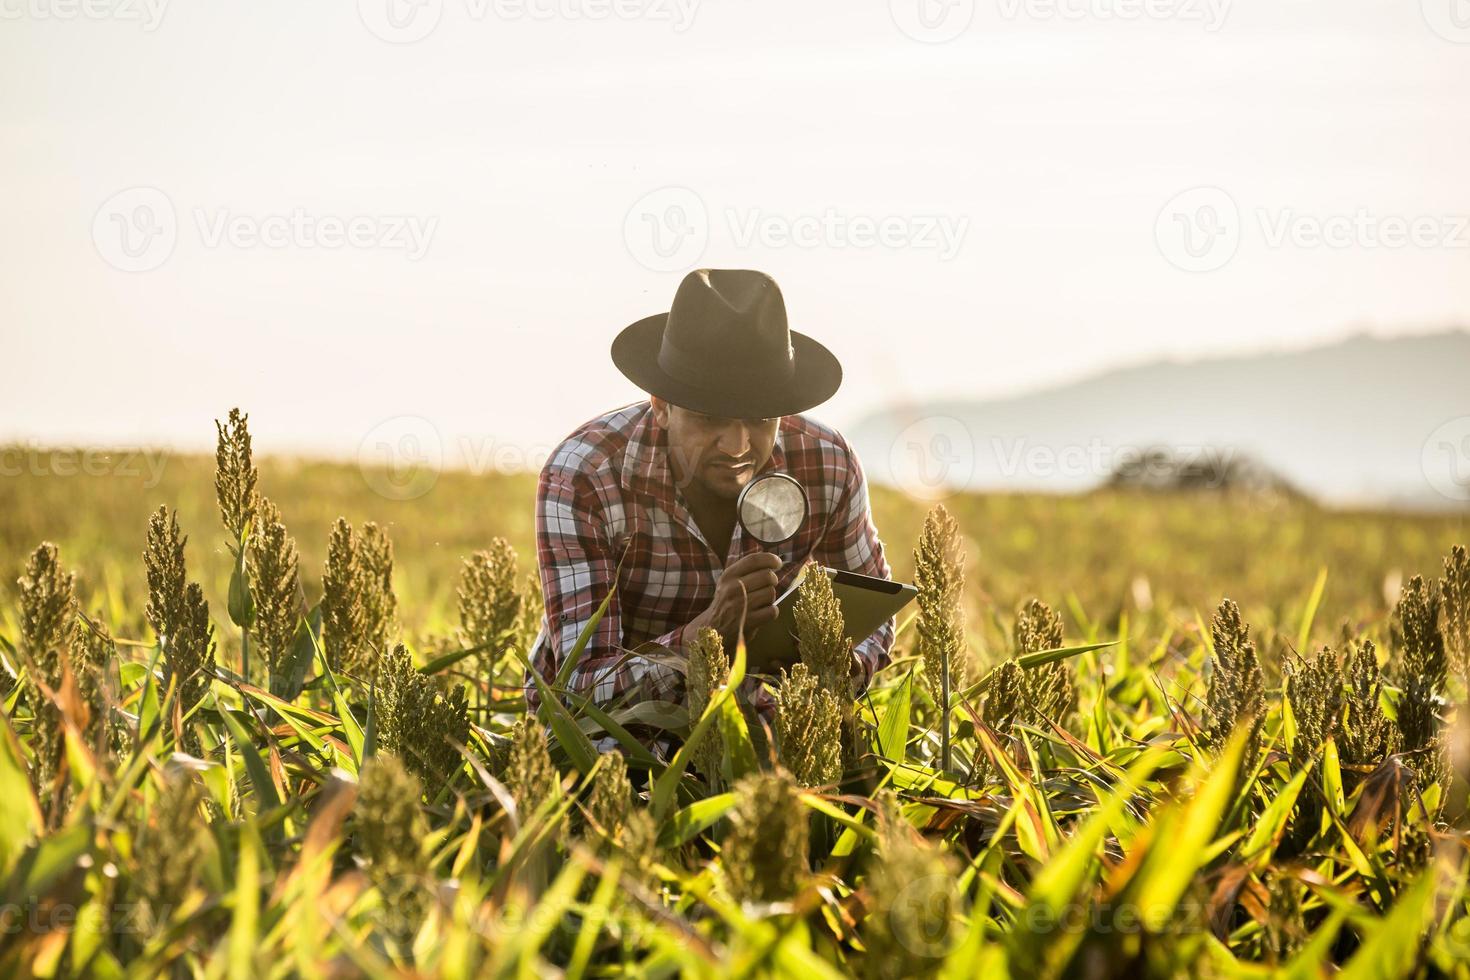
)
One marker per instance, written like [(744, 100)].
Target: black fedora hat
[(724, 349)]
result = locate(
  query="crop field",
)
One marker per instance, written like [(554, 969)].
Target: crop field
[(260, 720)]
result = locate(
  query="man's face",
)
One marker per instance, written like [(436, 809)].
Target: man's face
[(720, 455)]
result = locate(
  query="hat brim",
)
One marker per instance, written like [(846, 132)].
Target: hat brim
[(818, 375)]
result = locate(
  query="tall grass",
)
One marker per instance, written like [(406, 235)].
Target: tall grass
[(330, 784)]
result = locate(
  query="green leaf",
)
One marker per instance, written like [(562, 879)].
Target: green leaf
[(573, 740), (260, 776), (1033, 832), (370, 727), (739, 760), (150, 709), (1390, 949), (143, 750), (246, 914), (893, 731), (217, 781), (668, 781), (47, 861), (1060, 882), (595, 917), (684, 825), (351, 730), (922, 779), (635, 749), (447, 660), (1312, 958), (1183, 836), (241, 605), (1288, 726), (1267, 833), (290, 677), (814, 802), (564, 672), (1043, 803), (1028, 661), (1332, 777), (298, 718), (551, 912), (20, 814), (667, 715), (1304, 635)]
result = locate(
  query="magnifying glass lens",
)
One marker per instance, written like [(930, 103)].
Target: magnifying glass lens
[(772, 508)]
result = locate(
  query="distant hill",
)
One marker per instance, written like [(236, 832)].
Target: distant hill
[(1345, 423)]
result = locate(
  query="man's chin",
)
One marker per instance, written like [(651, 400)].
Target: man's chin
[(726, 485)]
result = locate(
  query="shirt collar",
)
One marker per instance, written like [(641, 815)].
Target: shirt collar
[(645, 467)]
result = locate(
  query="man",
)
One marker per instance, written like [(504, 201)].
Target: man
[(645, 495)]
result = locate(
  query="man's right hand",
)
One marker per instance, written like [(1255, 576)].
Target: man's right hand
[(747, 586)]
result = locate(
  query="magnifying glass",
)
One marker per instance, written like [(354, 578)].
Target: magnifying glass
[(772, 508)]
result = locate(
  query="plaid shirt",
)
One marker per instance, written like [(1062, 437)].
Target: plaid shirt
[(608, 493)]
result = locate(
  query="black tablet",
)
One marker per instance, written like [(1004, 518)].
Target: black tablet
[(867, 603)]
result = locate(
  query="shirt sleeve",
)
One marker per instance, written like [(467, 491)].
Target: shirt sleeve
[(578, 568), (852, 544)]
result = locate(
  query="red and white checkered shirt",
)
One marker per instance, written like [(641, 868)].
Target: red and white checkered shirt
[(608, 489)]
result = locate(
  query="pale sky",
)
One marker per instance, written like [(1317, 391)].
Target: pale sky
[(504, 175)]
